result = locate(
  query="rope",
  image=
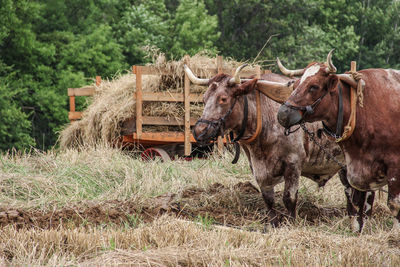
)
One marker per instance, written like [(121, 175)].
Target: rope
[(360, 86)]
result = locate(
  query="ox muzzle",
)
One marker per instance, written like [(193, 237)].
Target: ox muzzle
[(288, 117), (205, 131)]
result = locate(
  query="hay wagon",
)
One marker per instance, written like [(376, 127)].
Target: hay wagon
[(165, 144)]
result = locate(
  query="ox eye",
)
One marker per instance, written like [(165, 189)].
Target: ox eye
[(313, 88), (223, 100)]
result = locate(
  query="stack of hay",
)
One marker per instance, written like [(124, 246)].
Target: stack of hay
[(113, 101)]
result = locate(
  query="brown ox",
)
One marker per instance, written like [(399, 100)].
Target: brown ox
[(273, 157), (372, 152)]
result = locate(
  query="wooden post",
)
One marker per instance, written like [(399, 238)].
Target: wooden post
[(98, 80), (258, 72), (186, 93), (219, 64), (139, 101), (72, 105), (220, 143), (353, 66)]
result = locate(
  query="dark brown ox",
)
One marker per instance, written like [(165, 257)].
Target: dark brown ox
[(273, 157), (372, 152)]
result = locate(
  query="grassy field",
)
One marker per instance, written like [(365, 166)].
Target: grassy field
[(99, 207)]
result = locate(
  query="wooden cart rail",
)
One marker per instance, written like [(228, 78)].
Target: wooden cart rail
[(151, 70), (186, 97)]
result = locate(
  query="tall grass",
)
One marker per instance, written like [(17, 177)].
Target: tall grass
[(41, 179)]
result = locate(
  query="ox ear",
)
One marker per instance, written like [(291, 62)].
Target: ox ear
[(246, 87), (332, 83)]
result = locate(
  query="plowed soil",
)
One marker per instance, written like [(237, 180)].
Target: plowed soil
[(241, 205)]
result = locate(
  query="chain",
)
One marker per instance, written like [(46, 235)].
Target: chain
[(328, 154)]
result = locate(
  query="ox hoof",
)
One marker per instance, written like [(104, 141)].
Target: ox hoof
[(355, 225), (272, 219)]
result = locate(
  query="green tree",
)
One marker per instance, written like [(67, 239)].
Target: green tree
[(378, 27), (15, 128), (326, 28), (193, 29), (143, 24)]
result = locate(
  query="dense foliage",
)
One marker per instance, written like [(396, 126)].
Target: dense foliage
[(47, 46)]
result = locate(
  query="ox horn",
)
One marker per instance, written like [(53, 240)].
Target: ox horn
[(331, 67), (287, 72), (193, 77), (236, 77)]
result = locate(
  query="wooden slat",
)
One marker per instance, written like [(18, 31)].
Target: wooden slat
[(84, 91), (150, 120), (74, 115), (150, 70), (139, 102), (72, 103), (159, 138), (186, 93), (170, 97), (71, 106)]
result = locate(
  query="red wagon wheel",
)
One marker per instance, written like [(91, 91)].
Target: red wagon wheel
[(154, 153)]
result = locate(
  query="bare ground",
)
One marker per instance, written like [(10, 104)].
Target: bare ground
[(240, 205)]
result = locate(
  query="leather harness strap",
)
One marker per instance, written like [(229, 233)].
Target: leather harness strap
[(242, 130), (244, 120), (339, 122), (259, 121), (238, 139)]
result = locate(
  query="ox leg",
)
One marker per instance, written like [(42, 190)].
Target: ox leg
[(359, 203), (247, 152), (266, 182), (394, 198), (348, 191), (363, 202), (269, 199), (291, 188)]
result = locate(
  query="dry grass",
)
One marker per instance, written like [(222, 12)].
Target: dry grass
[(42, 179), (52, 180), (171, 242)]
